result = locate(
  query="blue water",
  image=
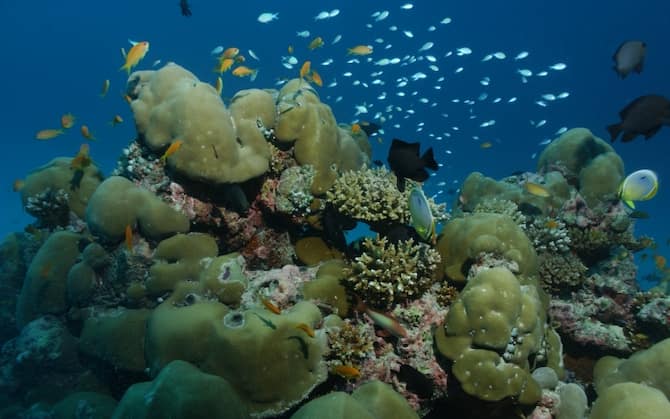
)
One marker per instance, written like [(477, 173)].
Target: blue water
[(57, 54)]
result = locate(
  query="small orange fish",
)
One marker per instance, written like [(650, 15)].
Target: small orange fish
[(290, 49), (128, 236), (304, 70), (244, 71), (67, 120), (105, 88), (230, 52), (305, 328), (86, 133), (224, 65), (47, 134), (176, 145), (82, 160), (660, 262), (116, 120), (348, 372), (270, 306), (135, 55), (18, 185), (316, 78), (316, 43), (360, 50), (486, 144), (128, 99), (356, 128)]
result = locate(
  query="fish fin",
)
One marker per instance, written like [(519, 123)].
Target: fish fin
[(638, 68), (614, 130), (401, 183), (622, 75), (630, 204), (429, 160), (652, 132), (253, 75), (123, 52), (628, 136), (133, 43)]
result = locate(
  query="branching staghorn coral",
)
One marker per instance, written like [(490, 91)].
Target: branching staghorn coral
[(386, 274)]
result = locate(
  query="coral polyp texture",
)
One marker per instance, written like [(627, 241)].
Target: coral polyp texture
[(210, 275)]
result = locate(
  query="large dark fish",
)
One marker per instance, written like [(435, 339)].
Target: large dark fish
[(628, 57), (406, 163), (185, 8), (643, 116)]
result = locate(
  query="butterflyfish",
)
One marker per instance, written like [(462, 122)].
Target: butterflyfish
[(641, 185), (421, 216)]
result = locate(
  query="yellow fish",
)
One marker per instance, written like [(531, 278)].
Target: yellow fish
[(537, 190), (304, 70), (244, 71), (360, 50), (171, 150), (47, 134), (136, 53), (346, 371), (316, 43), (641, 185)]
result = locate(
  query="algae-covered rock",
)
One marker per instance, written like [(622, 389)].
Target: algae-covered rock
[(44, 288), (172, 104), (118, 203), (463, 240), (181, 391), (58, 175), (117, 337)]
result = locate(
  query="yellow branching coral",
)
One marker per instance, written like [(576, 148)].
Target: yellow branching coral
[(386, 273)]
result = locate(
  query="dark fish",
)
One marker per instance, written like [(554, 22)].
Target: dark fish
[(406, 163), (75, 182), (185, 8), (643, 116), (378, 163), (640, 215), (416, 381), (629, 57), (369, 127)]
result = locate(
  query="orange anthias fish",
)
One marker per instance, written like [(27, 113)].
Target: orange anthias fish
[(304, 70), (135, 55), (270, 306), (244, 71), (67, 120), (82, 160), (47, 134), (86, 133), (116, 120), (316, 43), (360, 50), (355, 128), (224, 65), (176, 145), (346, 371), (316, 78), (230, 52), (660, 262), (18, 185), (128, 237), (305, 328)]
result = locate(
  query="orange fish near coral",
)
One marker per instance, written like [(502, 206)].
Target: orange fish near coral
[(346, 371), (67, 120), (356, 128), (230, 52), (176, 145), (304, 70), (660, 262), (316, 43), (82, 160), (244, 71), (305, 328), (360, 50), (18, 185), (86, 133), (116, 120), (135, 55), (316, 78), (224, 65), (128, 237), (270, 306), (47, 134)]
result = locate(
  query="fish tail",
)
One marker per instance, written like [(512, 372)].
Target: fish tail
[(630, 204), (429, 159), (253, 75), (614, 130)]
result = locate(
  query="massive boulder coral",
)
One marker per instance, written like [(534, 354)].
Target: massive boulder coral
[(491, 333), (172, 104), (319, 141), (50, 192), (466, 239), (588, 162), (118, 203)]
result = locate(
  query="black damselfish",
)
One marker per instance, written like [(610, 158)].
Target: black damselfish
[(406, 163)]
